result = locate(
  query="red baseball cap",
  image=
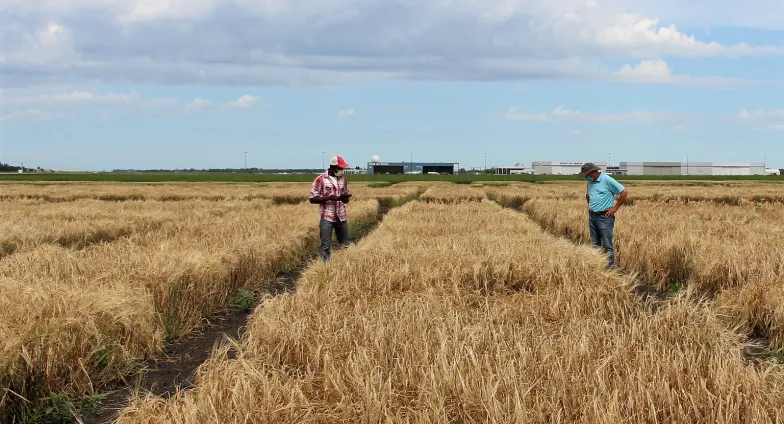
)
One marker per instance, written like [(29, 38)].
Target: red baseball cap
[(339, 162)]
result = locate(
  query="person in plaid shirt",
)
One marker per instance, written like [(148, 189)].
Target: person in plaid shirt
[(330, 191)]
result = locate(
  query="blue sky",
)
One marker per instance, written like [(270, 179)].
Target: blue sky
[(104, 84)]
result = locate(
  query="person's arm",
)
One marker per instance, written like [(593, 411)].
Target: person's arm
[(315, 193), (622, 192), (323, 199)]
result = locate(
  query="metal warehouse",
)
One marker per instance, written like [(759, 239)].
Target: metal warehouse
[(400, 168), (693, 168), (562, 168)]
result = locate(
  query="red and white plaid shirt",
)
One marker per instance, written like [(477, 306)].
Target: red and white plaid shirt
[(328, 185)]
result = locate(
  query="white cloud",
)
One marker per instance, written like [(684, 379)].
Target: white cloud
[(761, 14), (203, 105), (76, 96), (161, 102), (196, 105), (31, 115), (513, 115), (47, 44), (760, 114), (244, 101), (314, 42), (647, 71), (144, 11), (124, 102), (770, 119), (658, 71), (640, 35), (346, 113), (561, 114)]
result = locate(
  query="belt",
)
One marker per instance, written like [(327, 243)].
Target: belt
[(604, 212)]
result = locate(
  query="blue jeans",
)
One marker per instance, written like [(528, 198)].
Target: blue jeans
[(601, 228), (325, 229)]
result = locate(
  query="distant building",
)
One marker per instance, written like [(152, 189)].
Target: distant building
[(354, 171), (693, 168), (652, 168), (401, 168), (563, 168), (517, 169)]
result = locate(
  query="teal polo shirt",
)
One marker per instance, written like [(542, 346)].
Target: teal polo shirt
[(602, 192)]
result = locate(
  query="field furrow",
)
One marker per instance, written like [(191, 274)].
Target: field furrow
[(717, 251), (471, 313), (75, 320)]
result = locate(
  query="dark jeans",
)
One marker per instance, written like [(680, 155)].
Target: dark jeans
[(602, 234), (326, 228)]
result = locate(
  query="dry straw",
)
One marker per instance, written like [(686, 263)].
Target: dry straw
[(74, 320), (452, 193), (280, 193), (471, 313), (713, 248)]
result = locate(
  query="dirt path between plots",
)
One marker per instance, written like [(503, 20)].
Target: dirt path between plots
[(176, 369)]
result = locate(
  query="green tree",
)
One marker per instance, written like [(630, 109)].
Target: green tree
[(4, 167)]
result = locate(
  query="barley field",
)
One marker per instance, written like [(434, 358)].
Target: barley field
[(92, 283), (467, 303)]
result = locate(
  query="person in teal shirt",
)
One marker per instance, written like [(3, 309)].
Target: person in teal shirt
[(604, 196)]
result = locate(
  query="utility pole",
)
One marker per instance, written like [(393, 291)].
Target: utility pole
[(323, 165), (246, 161), (609, 161), (688, 171), (411, 159), (485, 162)]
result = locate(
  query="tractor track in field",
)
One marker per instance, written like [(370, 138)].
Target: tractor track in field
[(176, 369), (756, 347)]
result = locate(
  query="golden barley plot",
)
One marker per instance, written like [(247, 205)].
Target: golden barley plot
[(714, 248), (723, 192), (452, 193), (281, 193), (98, 310), (29, 224), (471, 313)]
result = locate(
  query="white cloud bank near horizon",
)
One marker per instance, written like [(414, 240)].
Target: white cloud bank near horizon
[(329, 42)]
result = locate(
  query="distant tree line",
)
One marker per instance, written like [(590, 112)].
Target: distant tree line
[(4, 167)]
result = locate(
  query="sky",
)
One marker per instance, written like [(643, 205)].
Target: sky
[(148, 84)]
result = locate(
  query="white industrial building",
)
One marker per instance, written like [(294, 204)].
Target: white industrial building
[(693, 168), (562, 168), (517, 169)]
